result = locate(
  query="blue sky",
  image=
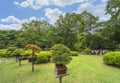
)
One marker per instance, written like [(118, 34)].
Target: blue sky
[(15, 12)]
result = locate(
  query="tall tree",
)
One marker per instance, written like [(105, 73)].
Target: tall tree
[(68, 27), (90, 23), (113, 8), (35, 33)]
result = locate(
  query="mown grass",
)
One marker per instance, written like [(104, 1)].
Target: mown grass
[(82, 69)]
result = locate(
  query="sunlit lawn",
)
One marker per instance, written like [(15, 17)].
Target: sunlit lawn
[(82, 69)]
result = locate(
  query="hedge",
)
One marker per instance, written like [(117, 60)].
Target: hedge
[(112, 58), (26, 53), (2, 52), (43, 57)]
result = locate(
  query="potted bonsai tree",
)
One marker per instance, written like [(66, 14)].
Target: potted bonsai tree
[(32, 57), (61, 57)]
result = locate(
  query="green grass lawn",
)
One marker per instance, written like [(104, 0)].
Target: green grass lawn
[(82, 69)]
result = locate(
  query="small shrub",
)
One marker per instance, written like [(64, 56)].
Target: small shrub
[(46, 53), (41, 59), (112, 58), (74, 53), (26, 53), (7, 54), (16, 52), (2, 53), (9, 51)]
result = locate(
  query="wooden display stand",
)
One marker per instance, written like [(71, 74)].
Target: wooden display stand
[(60, 76)]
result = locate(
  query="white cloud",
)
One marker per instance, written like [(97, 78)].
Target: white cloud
[(15, 20), (52, 14), (97, 10), (63, 3), (10, 27), (14, 23), (37, 4), (11, 19)]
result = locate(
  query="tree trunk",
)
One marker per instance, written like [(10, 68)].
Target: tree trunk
[(16, 59), (19, 62), (32, 66), (33, 61)]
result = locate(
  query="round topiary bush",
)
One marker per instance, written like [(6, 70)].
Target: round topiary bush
[(74, 53), (60, 54), (112, 58)]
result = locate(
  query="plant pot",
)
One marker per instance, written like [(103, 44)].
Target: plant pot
[(60, 69), (32, 59)]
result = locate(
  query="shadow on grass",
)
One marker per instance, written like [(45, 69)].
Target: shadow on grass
[(112, 65)]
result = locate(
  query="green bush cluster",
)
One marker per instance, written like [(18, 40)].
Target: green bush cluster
[(10, 51), (26, 53), (112, 58), (43, 57), (74, 53), (2, 52), (16, 52)]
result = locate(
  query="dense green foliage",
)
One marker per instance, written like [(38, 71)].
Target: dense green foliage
[(60, 54), (112, 58)]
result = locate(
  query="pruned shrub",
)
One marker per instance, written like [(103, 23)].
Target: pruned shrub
[(16, 52), (112, 58), (2, 53), (41, 59), (45, 53), (26, 53), (74, 53), (9, 51)]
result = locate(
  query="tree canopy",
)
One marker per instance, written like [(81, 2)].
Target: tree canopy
[(76, 31)]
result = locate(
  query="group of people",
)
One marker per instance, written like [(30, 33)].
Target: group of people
[(99, 52)]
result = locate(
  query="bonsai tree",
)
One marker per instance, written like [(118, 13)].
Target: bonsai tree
[(33, 57), (61, 56)]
